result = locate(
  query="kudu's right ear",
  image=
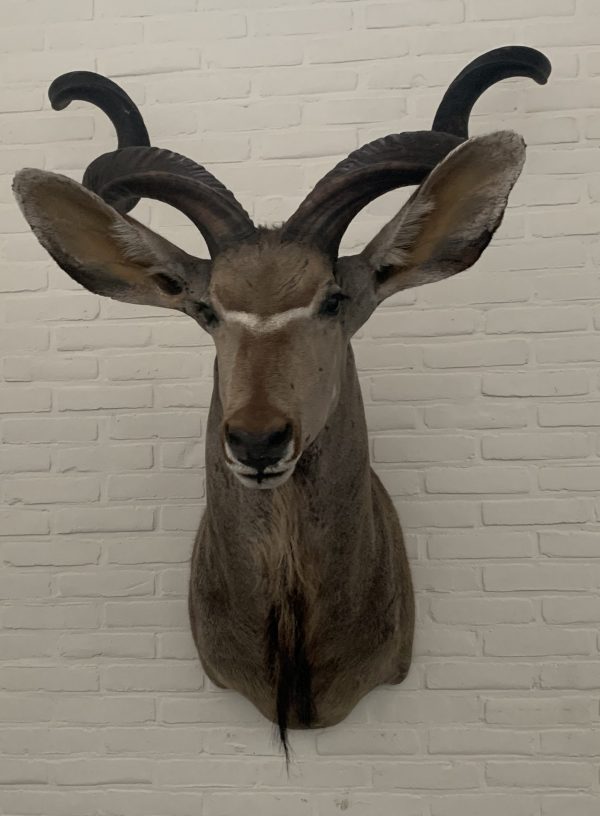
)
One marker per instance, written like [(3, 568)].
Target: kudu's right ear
[(108, 253)]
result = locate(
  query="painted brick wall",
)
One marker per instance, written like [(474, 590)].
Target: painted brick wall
[(483, 406)]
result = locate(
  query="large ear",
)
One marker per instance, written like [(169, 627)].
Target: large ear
[(106, 252), (449, 220)]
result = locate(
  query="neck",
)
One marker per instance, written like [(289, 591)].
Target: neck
[(331, 480)]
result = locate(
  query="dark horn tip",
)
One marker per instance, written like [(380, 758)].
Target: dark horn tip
[(452, 115), (63, 90)]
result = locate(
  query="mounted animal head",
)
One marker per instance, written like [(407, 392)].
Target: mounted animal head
[(279, 303)]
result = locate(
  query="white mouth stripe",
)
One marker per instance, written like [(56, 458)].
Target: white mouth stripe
[(256, 323)]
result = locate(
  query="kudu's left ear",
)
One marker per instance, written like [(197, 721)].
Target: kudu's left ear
[(108, 253), (449, 220)]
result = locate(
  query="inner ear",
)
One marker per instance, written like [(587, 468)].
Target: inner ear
[(450, 219), (108, 253), (167, 284)]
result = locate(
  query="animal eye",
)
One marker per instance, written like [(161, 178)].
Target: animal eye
[(331, 304), (207, 313)]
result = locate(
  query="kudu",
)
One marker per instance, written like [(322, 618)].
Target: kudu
[(300, 591)]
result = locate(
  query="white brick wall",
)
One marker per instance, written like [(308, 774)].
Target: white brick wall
[(483, 402)]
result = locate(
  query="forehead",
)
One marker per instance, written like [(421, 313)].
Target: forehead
[(269, 277)]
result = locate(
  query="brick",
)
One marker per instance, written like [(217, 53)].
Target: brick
[(422, 707), (481, 741), (59, 553), (492, 804), (51, 616), (90, 337), (16, 522), (105, 584), (154, 366), (424, 386), (565, 414), (96, 644), (480, 544), (105, 397), (456, 675), (578, 479), (482, 415), (492, 10), (359, 741), (166, 614), (251, 53), (19, 369), (578, 675), (98, 34), (18, 585), (48, 678), (504, 641), (103, 771), (121, 710), (52, 489), (439, 514), (568, 350), (156, 486), (532, 577), (389, 15), (308, 81), (24, 339), (425, 323), (429, 776), (238, 804), (539, 774), (571, 610), (356, 47), (531, 712), (107, 458), (157, 60), (536, 384), (482, 611), (204, 27), (536, 446), (477, 354), (105, 519), (570, 743), (50, 430), (477, 480), (439, 641), (163, 550), (162, 425), (15, 400), (574, 544), (303, 21), (532, 320), (578, 805)]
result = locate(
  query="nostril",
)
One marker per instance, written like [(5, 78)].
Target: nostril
[(281, 437)]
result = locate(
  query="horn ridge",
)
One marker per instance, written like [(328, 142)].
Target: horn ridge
[(152, 172)]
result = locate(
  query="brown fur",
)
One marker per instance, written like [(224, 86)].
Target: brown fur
[(332, 512)]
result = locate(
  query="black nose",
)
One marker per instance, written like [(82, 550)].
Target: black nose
[(259, 450)]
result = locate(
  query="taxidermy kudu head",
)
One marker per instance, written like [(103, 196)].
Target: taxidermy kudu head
[(300, 592)]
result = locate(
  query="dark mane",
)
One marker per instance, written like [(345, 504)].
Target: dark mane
[(289, 667)]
